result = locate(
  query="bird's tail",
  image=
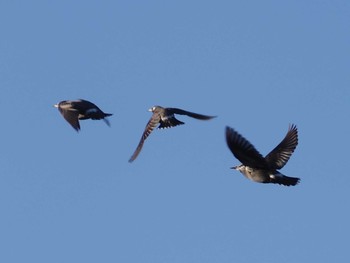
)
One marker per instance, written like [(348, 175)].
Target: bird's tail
[(170, 122), (284, 180), (106, 121)]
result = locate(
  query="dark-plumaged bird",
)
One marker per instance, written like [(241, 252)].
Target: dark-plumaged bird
[(75, 110), (263, 169), (165, 118)]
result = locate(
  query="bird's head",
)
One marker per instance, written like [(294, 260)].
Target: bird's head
[(238, 167), (154, 108)]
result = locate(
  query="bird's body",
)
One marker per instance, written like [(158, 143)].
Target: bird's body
[(266, 176), (164, 118), (263, 169), (75, 110)]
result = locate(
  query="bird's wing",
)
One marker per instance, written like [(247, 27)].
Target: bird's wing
[(152, 123), (71, 117), (83, 105), (90, 111), (243, 150), (188, 113), (280, 155)]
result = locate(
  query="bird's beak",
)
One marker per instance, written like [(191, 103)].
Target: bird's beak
[(234, 167), (56, 105), (150, 109)]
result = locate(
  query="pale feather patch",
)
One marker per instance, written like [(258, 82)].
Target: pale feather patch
[(92, 110), (66, 106), (274, 176), (163, 128), (166, 117)]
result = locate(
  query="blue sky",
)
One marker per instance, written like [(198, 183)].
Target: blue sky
[(257, 65)]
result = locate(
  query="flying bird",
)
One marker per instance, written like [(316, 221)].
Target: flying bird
[(164, 118), (263, 169), (75, 110)]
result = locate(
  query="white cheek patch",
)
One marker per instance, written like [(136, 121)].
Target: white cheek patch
[(248, 169)]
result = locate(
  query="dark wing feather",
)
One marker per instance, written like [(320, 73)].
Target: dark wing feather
[(243, 150), (89, 110), (83, 105), (152, 123), (188, 113), (169, 122), (71, 116), (280, 155)]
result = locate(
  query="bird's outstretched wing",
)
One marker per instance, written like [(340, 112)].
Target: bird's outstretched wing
[(280, 155), (243, 150), (152, 123), (190, 114), (71, 116)]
